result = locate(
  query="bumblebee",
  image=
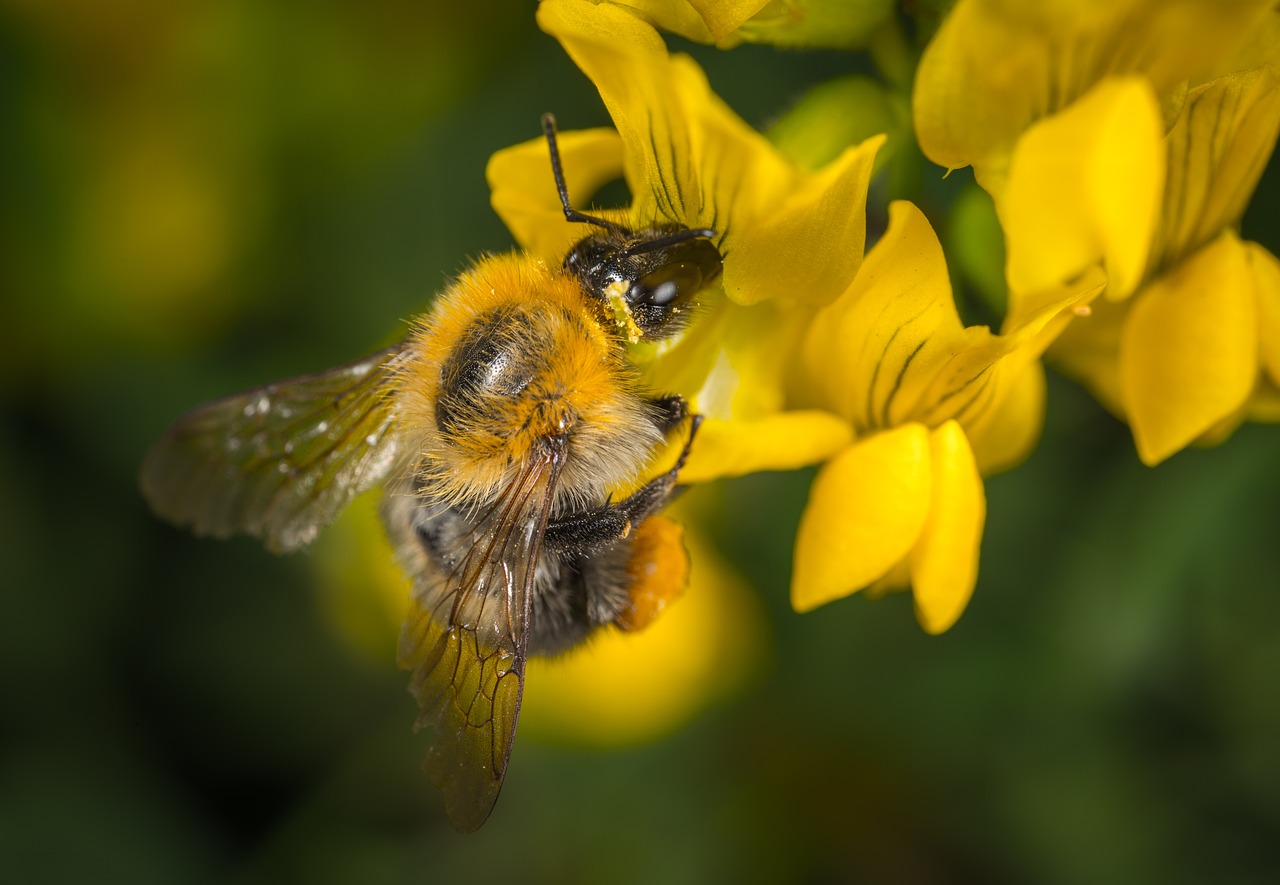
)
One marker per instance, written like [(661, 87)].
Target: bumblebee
[(502, 430)]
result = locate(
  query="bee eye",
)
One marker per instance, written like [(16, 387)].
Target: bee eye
[(666, 285), (664, 294)]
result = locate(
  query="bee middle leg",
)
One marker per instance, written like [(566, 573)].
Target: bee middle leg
[(586, 532)]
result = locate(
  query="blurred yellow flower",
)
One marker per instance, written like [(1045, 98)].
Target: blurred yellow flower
[(934, 404)]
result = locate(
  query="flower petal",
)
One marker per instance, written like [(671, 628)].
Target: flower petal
[(722, 17), (892, 349), (995, 66), (1085, 185), (1217, 150), (1004, 437), (1189, 351), (1087, 351), (523, 190), (832, 24), (866, 510), (869, 355), (781, 441), (944, 563), (1265, 270), (808, 245)]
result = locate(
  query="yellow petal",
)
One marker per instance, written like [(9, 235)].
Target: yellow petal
[(833, 24), (722, 17), (1265, 270), (732, 362), (677, 17), (866, 510), (523, 190), (944, 563), (1088, 351), (870, 354), (892, 350), (1005, 436), (1085, 185), (781, 441), (1217, 150), (809, 245), (1189, 351), (996, 66)]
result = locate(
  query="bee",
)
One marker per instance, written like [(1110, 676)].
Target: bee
[(513, 440)]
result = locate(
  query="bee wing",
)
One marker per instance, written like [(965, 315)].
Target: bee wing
[(466, 646), (279, 461)]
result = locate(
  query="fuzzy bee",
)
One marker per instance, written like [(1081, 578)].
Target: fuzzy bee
[(502, 429)]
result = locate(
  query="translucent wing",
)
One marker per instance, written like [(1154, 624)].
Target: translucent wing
[(465, 641), (280, 461)]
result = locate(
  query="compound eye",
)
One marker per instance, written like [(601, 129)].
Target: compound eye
[(666, 286), (664, 294)]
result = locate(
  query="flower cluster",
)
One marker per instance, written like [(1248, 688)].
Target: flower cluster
[(1118, 144), (811, 352), (1127, 136)]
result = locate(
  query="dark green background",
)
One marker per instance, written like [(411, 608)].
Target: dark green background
[(175, 710)]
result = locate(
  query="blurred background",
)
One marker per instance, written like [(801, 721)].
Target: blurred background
[(199, 197)]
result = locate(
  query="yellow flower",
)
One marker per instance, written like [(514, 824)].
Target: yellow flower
[(1100, 152), (934, 405), (792, 238), (997, 66), (1186, 353)]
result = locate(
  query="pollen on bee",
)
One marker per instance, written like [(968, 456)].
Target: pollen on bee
[(658, 571)]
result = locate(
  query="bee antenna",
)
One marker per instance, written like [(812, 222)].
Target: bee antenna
[(704, 233), (570, 213)]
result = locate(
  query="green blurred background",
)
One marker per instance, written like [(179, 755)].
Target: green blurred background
[(202, 196)]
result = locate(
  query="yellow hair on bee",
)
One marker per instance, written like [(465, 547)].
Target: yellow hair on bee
[(512, 356)]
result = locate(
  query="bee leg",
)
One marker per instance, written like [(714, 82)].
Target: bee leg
[(667, 412), (586, 532)]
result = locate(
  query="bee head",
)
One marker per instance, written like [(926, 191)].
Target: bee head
[(651, 274), (645, 278)]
